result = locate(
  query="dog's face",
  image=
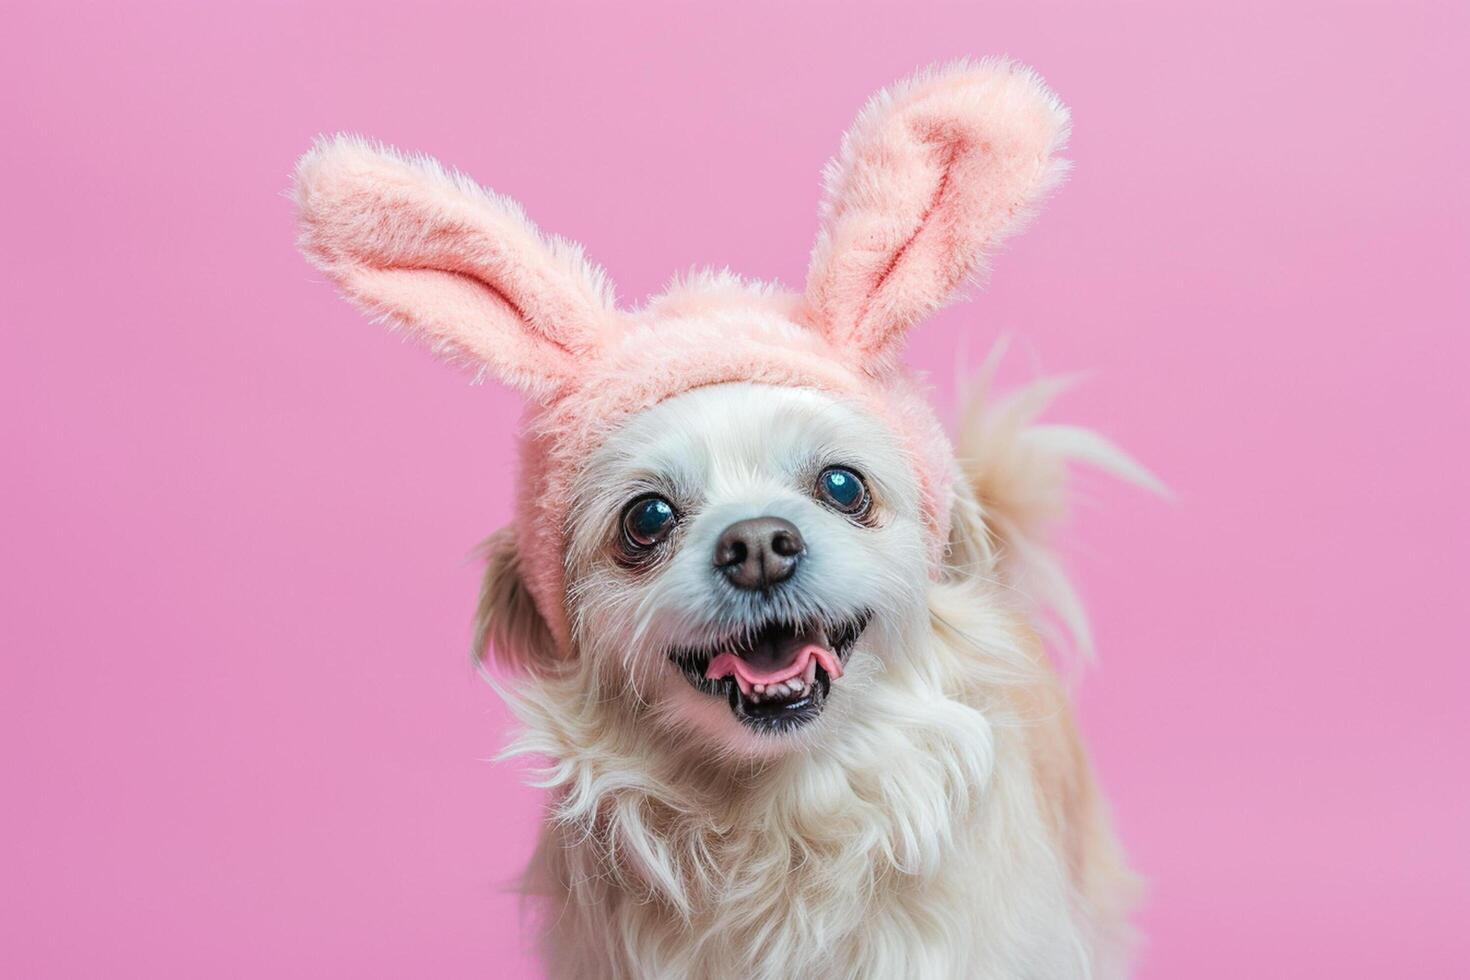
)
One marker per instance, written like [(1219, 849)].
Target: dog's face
[(733, 549)]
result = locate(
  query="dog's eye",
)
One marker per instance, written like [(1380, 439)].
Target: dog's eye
[(648, 521), (843, 489)]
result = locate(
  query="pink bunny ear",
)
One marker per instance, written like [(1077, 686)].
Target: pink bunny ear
[(457, 264), (933, 175)]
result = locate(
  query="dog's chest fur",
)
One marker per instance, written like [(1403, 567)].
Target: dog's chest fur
[(911, 845)]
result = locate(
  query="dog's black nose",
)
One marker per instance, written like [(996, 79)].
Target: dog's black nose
[(758, 553)]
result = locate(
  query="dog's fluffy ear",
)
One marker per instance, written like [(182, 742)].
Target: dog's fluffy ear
[(508, 626), (460, 266), (934, 173)]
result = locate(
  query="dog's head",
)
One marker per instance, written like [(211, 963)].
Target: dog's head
[(733, 495)]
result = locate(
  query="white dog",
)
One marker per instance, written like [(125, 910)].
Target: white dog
[(780, 640)]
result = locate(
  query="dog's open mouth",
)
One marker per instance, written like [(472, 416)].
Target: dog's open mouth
[(776, 678)]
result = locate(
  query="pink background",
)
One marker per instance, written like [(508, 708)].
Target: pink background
[(239, 730)]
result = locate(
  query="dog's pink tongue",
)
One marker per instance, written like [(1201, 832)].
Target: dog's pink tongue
[(774, 661)]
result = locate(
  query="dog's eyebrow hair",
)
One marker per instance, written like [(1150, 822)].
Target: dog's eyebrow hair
[(681, 492)]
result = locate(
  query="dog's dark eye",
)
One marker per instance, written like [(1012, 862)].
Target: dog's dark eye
[(843, 489), (648, 521)]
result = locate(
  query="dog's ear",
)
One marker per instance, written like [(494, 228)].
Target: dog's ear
[(460, 266), (508, 626), (934, 173)]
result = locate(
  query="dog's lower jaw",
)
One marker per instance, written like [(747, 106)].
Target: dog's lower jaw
[(925, 840)]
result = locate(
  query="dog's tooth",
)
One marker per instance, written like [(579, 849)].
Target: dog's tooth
[(760, 689), (810, 674)]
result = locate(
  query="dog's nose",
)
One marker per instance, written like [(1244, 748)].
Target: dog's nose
[(759, 552)]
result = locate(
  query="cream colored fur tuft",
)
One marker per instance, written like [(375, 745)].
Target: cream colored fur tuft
[(1017, 470)]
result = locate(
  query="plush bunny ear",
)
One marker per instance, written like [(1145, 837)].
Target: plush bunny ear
[(457, 264), (933, 175)]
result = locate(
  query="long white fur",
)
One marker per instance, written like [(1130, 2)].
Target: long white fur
[(937, 821)]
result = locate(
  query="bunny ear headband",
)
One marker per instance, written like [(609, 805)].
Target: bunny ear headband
[(935, 172)]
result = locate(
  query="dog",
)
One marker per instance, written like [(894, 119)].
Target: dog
[(780, 640)]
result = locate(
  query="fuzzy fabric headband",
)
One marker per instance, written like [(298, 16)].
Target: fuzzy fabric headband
[(934, 173)]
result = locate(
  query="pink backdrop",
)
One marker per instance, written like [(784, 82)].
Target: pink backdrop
[(239, 731)]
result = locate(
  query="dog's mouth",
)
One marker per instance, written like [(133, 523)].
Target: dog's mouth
[(777, 678)]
